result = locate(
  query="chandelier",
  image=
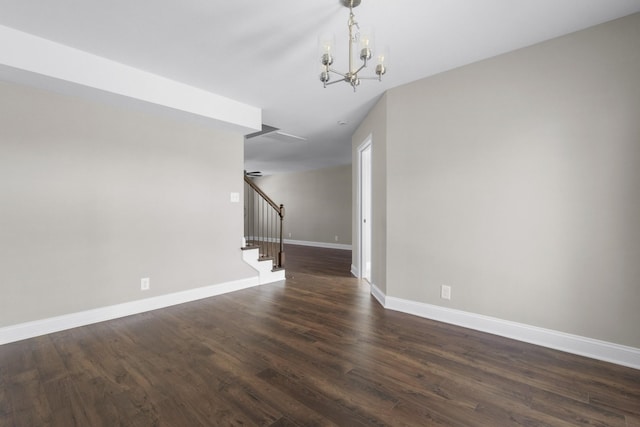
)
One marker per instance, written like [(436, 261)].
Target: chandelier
[(352, 76)]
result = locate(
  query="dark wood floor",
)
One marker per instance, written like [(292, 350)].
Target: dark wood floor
[(314, 350)]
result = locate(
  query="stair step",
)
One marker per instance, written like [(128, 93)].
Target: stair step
[(266, 271)]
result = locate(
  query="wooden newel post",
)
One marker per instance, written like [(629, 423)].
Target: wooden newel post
[(281, 254)]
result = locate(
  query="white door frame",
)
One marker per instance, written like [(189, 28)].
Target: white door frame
[(366, 144)]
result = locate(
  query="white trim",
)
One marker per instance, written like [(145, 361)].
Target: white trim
[(318, 244), (379, 295), (60, 323), (583, 346), (354, 271), (365, 144), (70, 70)]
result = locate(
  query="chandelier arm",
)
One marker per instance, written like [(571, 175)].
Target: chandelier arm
[(360, 69), (338, 73), (369, 78), (334, 82)]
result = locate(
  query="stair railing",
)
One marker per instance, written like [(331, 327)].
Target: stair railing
[(263, 222)]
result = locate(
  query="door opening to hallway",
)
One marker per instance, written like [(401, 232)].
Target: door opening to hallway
[(364, 204)]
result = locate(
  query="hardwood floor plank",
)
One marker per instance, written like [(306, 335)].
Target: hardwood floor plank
[(574, 411), (339, 411), (314, 350), (26, 398), (286, 422), (632, 421), (65, 399)]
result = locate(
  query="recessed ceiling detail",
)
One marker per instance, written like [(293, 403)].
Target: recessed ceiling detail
[(273, 133)]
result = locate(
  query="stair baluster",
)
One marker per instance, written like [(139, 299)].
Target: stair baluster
[(263, 223)]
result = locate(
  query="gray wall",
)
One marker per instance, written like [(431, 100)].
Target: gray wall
[(93, 198), (516, 181), (317, 203)]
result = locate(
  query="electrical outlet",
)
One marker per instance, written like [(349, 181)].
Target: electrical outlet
[(144, 284), (336, 237), (445, 292), (289, 234)]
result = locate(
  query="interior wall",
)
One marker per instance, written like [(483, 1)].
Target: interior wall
[(317, 203), (94, 198), (515, 181), (374, 125)]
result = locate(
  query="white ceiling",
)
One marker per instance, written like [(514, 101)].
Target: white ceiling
[(265, 53)]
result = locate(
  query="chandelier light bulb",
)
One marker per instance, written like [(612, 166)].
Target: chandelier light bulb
[(326, 59), (366, 47), (325, 76), (365, 54)]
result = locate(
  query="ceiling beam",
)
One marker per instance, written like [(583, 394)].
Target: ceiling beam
[(44, 63)]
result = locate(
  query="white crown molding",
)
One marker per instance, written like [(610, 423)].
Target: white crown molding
[(575, 344), (36, 328)]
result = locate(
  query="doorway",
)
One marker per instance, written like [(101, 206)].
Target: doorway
[(364, 208)]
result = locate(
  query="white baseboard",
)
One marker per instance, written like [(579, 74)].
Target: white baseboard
[(319, 244), (60, 323), (575, 344), (379, 295), (354, 271)]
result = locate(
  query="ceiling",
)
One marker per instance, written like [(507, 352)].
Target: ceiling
[(266, 54)]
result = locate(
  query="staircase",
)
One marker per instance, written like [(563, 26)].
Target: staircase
[(263, 247)]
